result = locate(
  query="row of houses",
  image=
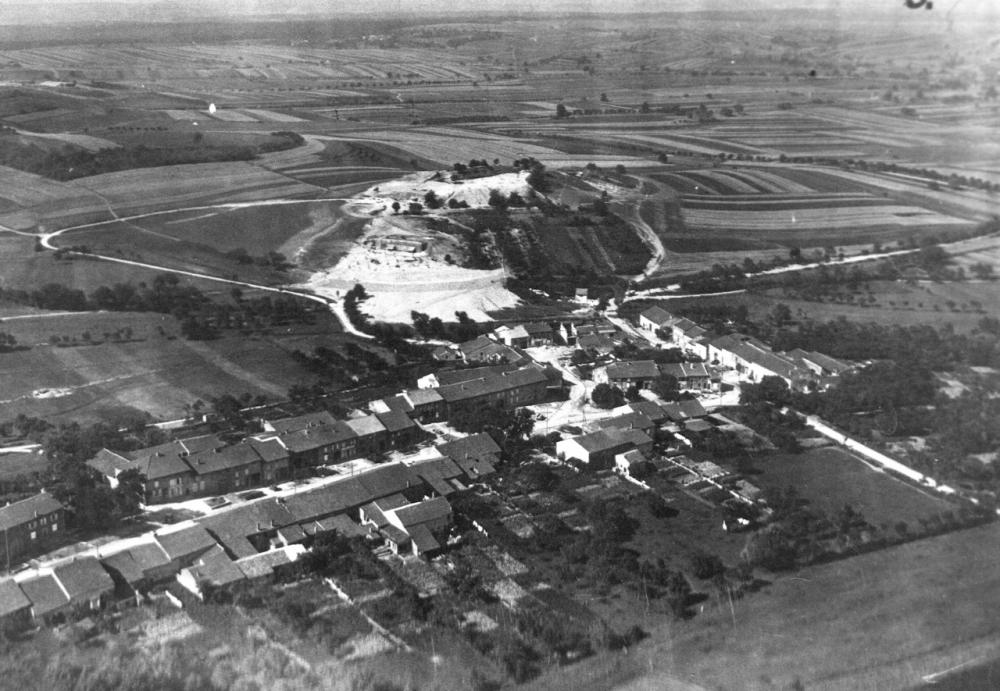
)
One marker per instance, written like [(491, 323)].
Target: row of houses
[(751, 358), (404, 504), (605, 441), (444, 393), (692, 376), (506, 343), (209, 465)]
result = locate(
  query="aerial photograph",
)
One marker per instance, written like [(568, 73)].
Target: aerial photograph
[(432, 345)]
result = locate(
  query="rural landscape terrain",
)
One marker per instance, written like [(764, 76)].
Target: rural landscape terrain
[(515, 349)]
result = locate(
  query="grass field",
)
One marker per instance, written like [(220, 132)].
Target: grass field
[(156, 373), (877, 621), (829, 478)]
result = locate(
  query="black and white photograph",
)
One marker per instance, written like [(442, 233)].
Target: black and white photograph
[(439, 345)]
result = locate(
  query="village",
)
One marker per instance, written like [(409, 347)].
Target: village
[(419, 485)]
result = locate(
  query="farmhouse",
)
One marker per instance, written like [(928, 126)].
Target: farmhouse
[(638, 373), (598, 449), (689, 375), (421, 523), (679, 411), (456, 376), (140, 568), (29, 526), (655, 318), (526, 335), (424, 404), (476, 455), (486, 351), (508, 390), (631, 420), (652, 410), (755, 360), (212, 571)]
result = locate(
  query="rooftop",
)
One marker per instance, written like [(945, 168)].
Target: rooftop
[(12, 598), (45, 593), (422, 512), (657, 315), (186, 542), (300, 422), (21, 512), (633, 369), (83, 578)]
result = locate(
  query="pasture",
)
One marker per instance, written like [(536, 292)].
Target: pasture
[(880, 620), (830, 478), (154, 372)]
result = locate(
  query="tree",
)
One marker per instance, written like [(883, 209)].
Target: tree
[(415, 208), (395, 207), (607, 397), (982, 270), (537, 178), (432, 201), (604, 98), (561, 111), (666, 387)]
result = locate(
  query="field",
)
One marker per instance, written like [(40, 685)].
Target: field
[(155, 372), (830, 478), (877, 621)]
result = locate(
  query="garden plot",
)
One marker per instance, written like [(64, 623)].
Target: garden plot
[(817, 218)]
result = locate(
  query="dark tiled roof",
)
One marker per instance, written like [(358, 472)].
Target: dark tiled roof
[(684, 370), (45, 593), (633, 369), (263, 564), (396, 421), (423, 540), (422, 512), (336, 497), (387, 479), (657, 315), (455, 376), (216, 568), (83, 578), (21, 512), (12, 598), (222, 459), (366, 426), (650, 409), (627, 421), (317, 437), (186, 542), (300, 422), (473, 446)]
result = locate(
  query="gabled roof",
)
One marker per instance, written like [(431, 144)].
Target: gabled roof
[(300, 422), (423, 540), (650, 409), (268, 448), (185, 543), (395, 421), (633, 369), (692, 407), (512, 332), (697, 425), (421, 512), (340, 523), (221, 459), (684, 370), (126, 565), (657, 315), (455, 376), (334, 498), (82, 578), (387, 479), (215, 568), (526, 376), (12, 598), (263, 564), (45, 593), (317, 437), (418, 397), (599, 441), (109, 463), (479, 445), (365, 426), (537, 328), (598, 342), (21, 512), (436, 472), (627, 421)]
